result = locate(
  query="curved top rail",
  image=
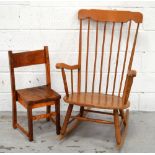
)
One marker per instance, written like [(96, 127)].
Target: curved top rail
[(110, 15)]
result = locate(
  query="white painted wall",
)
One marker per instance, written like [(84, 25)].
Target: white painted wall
[(29, 25)]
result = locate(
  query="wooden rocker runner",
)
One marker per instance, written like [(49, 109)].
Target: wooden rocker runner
[(113, 93), (36, 97)]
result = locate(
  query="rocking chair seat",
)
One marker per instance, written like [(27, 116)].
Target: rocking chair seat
[(96, 100)]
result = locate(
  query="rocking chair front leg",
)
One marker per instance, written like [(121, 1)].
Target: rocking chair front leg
[(117, 127), (67, 117)]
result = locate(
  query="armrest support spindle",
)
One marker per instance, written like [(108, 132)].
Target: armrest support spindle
[(128, 84)]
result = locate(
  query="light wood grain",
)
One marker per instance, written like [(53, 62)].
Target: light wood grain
[(103, 100)]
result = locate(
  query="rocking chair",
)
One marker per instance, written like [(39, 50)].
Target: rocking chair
[(113, 93)]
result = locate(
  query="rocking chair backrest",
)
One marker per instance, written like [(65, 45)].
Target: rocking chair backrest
[(102, 20)]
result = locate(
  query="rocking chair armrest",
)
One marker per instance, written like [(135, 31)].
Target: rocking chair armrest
[(63, 66), (66, 66), (132, 73)]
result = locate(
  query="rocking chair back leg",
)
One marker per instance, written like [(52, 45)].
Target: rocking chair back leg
[(81, 111), (123, 117)]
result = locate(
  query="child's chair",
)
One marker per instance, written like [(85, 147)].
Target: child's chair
[(36, 97)]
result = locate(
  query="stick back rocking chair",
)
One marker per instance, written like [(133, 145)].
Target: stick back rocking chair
[(113, 93), (35, 97)]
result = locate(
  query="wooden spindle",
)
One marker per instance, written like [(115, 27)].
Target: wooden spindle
[(86, 76), (125, 57), (65, 82), (95, 56), (112, 36), (133, 48), (128, 82), (79, 59), (118, 52), (102, 56), (72, 81)]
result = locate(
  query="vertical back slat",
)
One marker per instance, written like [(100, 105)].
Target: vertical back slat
[(133, 48), (79, 59), (72, 81), (86, 76), (95, 57), (109, 62), (117, 59), (125, 57), (102, 57)]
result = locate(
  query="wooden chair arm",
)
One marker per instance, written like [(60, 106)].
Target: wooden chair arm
[(65, 66), (132, 73), (128, 84)]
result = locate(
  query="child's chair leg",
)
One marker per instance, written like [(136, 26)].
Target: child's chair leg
[(14, 114), (48, 110), (30, 123)]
